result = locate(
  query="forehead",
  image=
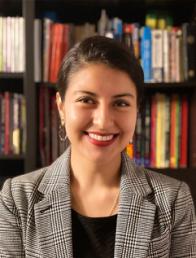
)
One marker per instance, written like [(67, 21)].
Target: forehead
[(100, 77)]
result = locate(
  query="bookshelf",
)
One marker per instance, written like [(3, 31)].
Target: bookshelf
[(23, 83), (79, 12)]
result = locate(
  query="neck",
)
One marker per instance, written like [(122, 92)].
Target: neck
[(88, 174)]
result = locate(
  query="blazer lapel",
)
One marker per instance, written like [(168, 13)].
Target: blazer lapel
[(136, 213), (53, 212)]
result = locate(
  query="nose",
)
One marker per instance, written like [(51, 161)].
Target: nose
[(103, 117)]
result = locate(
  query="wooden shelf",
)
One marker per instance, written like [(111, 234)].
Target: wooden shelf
[(173, 85), (47, 84), (12, 157), (11, 75)]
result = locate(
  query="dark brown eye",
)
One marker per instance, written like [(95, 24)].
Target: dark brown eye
[(86, 100), (121, 103)]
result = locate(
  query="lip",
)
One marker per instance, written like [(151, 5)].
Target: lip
[(101, 143), (101, 134)]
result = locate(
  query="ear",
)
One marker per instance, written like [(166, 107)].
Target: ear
[(60, 106)]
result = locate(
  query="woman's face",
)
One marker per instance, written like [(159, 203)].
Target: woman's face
[(99, 111)]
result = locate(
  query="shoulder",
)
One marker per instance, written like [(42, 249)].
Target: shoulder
[(166, 189), (21, 190)]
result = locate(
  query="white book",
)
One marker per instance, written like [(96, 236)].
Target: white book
[(21, 44), (9, 46), (173, 55), (12, 32), (157, 55), (16, 129), (179, 55), (1, 44), (37, 50), (4, 43), (102, 23), (46, 48), (166, 50), (16, 45)]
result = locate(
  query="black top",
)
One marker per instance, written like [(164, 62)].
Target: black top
[(93, 237)]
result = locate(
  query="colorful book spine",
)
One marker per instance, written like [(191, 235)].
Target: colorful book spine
[(146, 53), (157, 55)]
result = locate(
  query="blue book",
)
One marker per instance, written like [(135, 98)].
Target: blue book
[(117, 26), (146, 53)]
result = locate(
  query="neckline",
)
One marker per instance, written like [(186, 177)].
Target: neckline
[(93, 218)]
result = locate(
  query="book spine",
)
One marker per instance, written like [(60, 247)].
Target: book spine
[(4, 43), (153, 144), (1, 44), (147, 134), (173, 132), (166, 53), (178, 55), (8, 45), (192, 150), (16, 129), (16, 45), (46, 48), (157, 55), (2, 123), (184, 132), (146, 53), (167, 131), (191, 51), (173, 55), (7, 123), (37, 50)]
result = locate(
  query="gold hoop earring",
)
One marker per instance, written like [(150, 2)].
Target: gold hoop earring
[(62, 133)]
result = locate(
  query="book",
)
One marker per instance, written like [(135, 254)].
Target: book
[(192, 140), (1, 44), (2, 133), (189, 50), (184, 132), (174, 131), (153, 131), (147, 117), (166, 54), (37, 50), (16, 126), (146, 53), (56, 50), (157, 55), (7, 123), (46, 48), (102, 24)]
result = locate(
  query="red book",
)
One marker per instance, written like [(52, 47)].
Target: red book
[(192, 136), (7, 123), (56, 50), (42, 127), (184, 132), (153, 131), (173, 118)]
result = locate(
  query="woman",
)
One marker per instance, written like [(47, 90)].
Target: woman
[(93, 201)]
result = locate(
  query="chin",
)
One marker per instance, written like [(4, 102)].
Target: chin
[(101, 157)]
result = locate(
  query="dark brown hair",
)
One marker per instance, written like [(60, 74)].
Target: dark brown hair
[(101, 50)]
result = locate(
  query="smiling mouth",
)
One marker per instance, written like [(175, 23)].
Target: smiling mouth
[(101, 137)]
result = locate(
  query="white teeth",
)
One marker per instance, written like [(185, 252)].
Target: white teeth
[(101, 138)]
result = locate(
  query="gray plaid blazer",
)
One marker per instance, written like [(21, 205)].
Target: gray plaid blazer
[(155, 218)]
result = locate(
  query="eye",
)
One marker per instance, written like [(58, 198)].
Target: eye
[(121, 103), (86, 100)]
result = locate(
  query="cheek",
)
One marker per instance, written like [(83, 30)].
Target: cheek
[(75, 118), (129, 122)]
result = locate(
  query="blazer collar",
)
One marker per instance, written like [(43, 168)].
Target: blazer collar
[(53, 213), (133, 178)]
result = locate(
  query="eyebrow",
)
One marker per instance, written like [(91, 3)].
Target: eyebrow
[(115, 96)]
